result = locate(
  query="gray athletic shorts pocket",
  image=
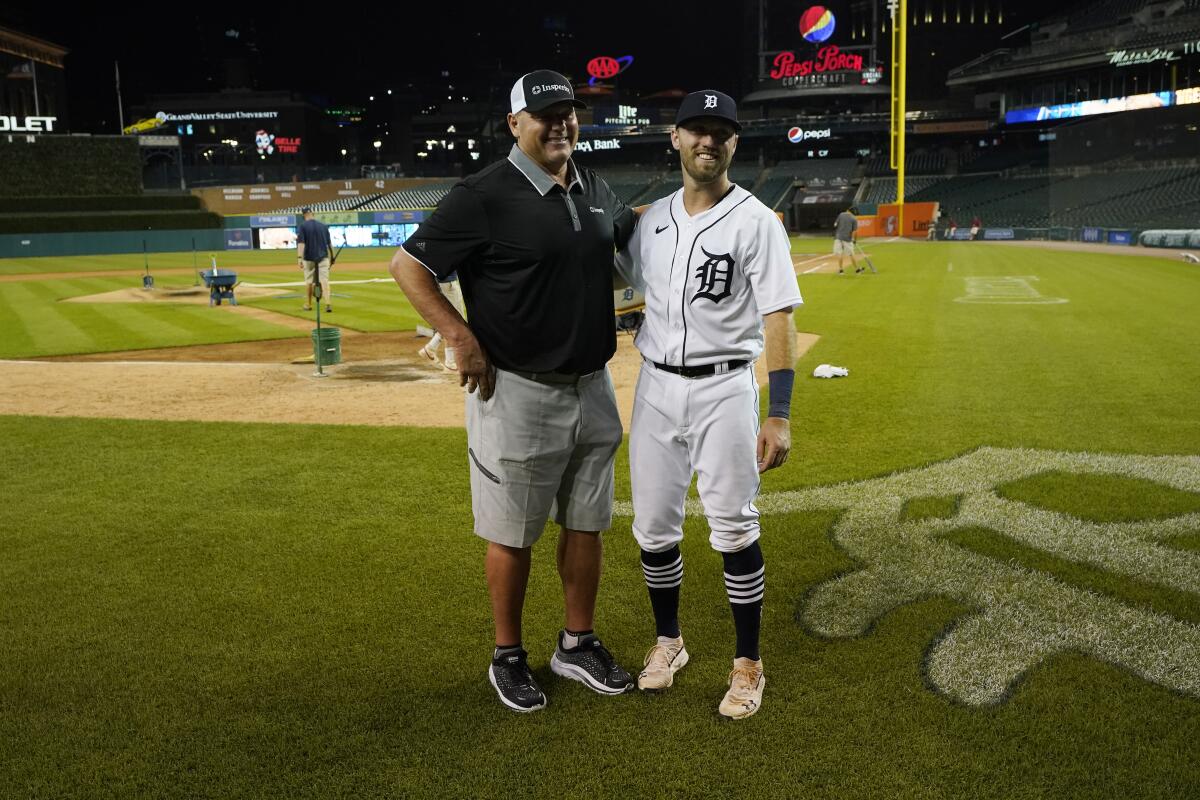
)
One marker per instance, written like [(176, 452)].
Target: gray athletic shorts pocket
[(539, 450)]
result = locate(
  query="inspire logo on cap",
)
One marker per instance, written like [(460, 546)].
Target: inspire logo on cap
[(541, 89)]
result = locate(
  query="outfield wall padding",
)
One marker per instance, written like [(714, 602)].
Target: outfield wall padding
[(110, 243)]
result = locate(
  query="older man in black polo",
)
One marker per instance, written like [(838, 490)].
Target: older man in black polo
[(532, 238)]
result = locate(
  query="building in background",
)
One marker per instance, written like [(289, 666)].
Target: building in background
[(34, 84)]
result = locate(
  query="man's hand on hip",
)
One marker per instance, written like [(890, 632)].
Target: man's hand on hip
[(774, 443), (475, 370)]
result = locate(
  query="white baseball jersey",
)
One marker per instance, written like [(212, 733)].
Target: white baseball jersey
[(708, 279)]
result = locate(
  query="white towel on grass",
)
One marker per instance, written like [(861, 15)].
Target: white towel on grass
[(830, 371)]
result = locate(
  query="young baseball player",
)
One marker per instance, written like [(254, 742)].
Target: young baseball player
[(716, 269)]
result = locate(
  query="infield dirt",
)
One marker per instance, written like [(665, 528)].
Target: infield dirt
[(382, 382)]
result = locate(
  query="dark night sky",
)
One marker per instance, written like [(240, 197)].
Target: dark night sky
[(348, 51)]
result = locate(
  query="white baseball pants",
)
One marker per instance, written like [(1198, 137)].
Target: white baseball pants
[(704, 426)]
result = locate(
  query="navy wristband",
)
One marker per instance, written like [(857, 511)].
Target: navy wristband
[(781, 381)]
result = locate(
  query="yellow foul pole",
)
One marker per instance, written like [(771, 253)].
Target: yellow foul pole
[(899, 12)]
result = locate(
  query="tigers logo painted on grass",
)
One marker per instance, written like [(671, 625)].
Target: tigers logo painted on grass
[(1024, 616)]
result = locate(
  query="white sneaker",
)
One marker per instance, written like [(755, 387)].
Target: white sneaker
[(662, 662), (424, 351), (451, 365), (746, 684)]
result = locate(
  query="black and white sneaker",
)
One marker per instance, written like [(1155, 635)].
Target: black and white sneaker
[(514, 682), (591, 664)]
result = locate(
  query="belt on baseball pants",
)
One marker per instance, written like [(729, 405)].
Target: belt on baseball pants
[(554, 378), (702, 371)]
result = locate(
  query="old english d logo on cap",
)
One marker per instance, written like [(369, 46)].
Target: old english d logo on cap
[(540, 89), (708, 103)]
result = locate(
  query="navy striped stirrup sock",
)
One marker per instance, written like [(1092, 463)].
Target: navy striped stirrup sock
[(745, 583), (664, 575)]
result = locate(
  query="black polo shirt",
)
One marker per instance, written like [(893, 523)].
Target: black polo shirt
[(535, 262)]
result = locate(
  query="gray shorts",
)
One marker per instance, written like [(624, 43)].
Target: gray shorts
[(320, 271), (539, 451)]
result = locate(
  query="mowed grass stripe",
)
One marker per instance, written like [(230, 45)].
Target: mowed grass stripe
[(18, 338), (1160, 599), (49, 324), (53, 327)]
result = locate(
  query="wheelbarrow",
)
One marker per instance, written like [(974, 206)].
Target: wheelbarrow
[(220, 286)]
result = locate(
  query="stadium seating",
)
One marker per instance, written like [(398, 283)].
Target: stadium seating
[(425, 197), (1128, 198), (774, 191), (820, 172), (341, 204), (629, 184), (918, 163), (883, 190)]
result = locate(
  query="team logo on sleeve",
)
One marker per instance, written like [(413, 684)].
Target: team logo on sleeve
[(715, 276)]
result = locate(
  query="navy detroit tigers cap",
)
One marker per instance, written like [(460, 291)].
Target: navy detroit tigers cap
[(708, 103), (540, 89)]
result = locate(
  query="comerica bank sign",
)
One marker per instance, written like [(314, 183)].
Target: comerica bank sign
[(27, 124)]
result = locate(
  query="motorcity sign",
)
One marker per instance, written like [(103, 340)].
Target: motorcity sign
[(1131, 58), (27, 124), (828, 59)]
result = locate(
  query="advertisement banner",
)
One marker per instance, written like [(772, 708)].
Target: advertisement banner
[(272, 220), (918, 218), (997, 233), (337, 217), (1092, 235), (1087, 108), (1120, 237), (239, 238), (868, 226), (398, 217)]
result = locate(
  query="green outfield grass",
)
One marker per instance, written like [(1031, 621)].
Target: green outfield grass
[(48, 327), (38, 324), (208, 610), (370, 307)]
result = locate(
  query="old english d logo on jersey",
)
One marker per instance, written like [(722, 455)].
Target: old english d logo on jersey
[(715, 276)]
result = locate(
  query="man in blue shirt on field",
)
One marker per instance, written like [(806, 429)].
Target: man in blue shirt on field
[(313, 249)]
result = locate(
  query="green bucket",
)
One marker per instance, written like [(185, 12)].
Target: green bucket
[(327, 346)]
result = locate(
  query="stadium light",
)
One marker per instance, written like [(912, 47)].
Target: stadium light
[(343, 151), (389, 91)]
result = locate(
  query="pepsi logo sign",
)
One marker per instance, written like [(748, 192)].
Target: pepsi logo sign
[(797, 135)]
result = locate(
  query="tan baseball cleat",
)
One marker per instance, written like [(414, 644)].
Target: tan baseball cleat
[(662, 662), (746, 683)]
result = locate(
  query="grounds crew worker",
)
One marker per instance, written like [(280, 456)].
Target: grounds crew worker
[(312, 240), (845, 230), (532, 238)]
